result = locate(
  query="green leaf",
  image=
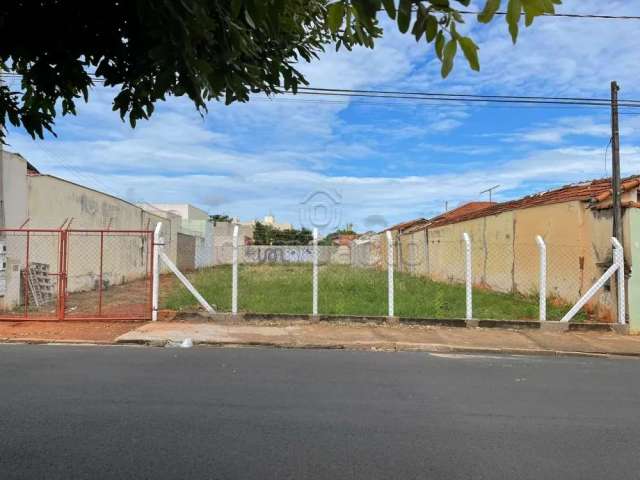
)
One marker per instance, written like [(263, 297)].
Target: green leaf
[(470, 50), (335, 15), (449, 54), (534, 8), (236, 6), (404, 15), (440, 44), (431, 28), (249, 20), (390, 7), (490, 9), (513, 18)]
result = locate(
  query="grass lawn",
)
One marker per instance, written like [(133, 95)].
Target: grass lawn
[(344, 290)]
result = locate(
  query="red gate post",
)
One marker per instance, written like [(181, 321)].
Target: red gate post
[(62, 274), (152, 246), (100, 284), (26, 280)]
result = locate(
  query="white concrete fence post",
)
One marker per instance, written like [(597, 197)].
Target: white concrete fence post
[(618, 259), (390, 271), (617, 266), (160, 255), (234, 272), (315, 272), (155, 288), (542, 247), (469, 275)]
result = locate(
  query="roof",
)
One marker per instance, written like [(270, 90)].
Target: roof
[(593, 191), (344, 239), (462, 211), (405, 225), (31, 169)]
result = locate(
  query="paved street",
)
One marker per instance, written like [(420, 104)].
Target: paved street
[(138, 412)]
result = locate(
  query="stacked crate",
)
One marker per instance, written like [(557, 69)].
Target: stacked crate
[(41, 288)]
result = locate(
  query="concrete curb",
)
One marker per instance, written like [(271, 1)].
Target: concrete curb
[(553, 326), (392, 347)]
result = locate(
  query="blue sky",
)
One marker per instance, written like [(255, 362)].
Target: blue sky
[(381, 163)]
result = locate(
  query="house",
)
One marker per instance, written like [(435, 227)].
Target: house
[(36, 200), (575, 221), (195, 241), (408, 255)]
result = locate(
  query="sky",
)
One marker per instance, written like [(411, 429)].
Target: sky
[(329, 162)]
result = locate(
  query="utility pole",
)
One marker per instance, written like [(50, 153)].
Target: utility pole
[(615, 172), (615, 158), (2, 203)]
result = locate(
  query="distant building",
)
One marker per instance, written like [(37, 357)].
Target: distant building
[(269, 220), (195, 237), (185, 210)]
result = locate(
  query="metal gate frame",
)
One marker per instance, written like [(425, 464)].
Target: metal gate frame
[(60, 313)]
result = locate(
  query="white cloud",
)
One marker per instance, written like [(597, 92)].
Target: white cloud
[(271, 154)]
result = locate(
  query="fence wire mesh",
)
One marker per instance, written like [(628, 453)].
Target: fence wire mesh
[(108, 274), (74, 274), (29, 274), (429, 278)]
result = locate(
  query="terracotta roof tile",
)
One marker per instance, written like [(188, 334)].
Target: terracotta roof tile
[(593, 191), (403, 226)]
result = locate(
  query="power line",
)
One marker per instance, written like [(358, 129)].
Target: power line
[(457, 98), (432, 94), (439, 105), (567, 15), (587, 16), (462, 98)]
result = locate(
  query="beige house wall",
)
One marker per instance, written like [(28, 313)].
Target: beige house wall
[(633, 285), (14, 189), (223, 240), (493, 235), (186, 252), (384, 249), (413, 253), (505, 256), (366, 251), (48, 201)]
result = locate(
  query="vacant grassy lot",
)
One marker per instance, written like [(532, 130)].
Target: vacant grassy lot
[(348, 291)]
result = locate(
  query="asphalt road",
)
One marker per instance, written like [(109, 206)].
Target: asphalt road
[(70, 412)]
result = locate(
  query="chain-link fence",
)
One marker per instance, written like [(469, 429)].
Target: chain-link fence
[(108, 274), (29, 274), (431, 278), (75, 274)]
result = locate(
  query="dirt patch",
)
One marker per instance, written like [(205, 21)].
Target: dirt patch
[(131, 300), (98, 332)]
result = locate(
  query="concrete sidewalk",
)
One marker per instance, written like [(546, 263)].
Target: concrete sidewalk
[(387, 337)]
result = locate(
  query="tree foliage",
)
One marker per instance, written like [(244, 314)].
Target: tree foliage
[(220, 218), (203, 49), (267, 235)]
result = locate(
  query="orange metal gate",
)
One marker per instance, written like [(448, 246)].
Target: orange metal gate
[(75, 274)]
